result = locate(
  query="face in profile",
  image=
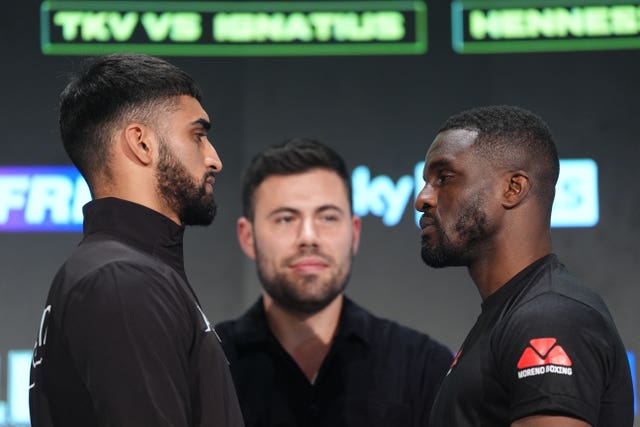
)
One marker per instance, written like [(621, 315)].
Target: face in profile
[(187, 164), (303, 238), (456, 224), (187, 196)]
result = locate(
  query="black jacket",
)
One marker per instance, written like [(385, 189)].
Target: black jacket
[(123, 341)]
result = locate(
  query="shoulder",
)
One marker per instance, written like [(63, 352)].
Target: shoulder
[(251, 319), (250, 327), (125, 279), (555, 286), (226, 329), (387, 335), (563, 313), (111, 260), (561, 298), (110, 276), (90, 256), (411, 357)]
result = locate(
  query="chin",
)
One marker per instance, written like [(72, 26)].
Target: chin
[(435, 263)]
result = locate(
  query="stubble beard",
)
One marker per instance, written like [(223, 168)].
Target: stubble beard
[(291, 294), (182, 194), (439, 250)]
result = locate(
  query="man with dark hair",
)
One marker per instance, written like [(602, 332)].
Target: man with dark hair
[(123, 340), (544, 351), (304, 354)]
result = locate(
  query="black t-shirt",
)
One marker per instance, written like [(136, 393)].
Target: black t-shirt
[(377, 373), (543, 344), (123, 341)]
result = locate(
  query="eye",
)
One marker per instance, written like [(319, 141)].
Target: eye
[(200, 136), (284, 219), (329, 217), (443, 177)]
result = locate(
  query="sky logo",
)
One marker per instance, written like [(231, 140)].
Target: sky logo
[(575, 205), (42, 198), (576, 202)]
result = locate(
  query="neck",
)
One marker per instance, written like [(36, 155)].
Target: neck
[(306, 337), (130, 181), (500, 263)]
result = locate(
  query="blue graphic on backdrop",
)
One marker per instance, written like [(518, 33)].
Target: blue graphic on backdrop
[(42, 198), (46, 199), (575, 205)]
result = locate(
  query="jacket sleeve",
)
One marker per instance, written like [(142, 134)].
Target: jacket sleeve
[(129, 331)]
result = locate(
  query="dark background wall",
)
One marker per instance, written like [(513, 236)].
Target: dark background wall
[(379, 111)]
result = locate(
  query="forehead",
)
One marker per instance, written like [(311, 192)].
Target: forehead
[(187, 109), (317, 187), (451, 146)]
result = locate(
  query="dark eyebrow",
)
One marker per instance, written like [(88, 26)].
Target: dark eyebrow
[(294, 211), (433, 165), (282, 210), (324, 208), (439, 163), (203, 123)]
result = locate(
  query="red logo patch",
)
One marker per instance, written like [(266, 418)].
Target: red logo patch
[(543, 351)]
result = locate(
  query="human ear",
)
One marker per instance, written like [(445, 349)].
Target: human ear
[(356, 225), (139, 142), (517, 188), (244, 229)]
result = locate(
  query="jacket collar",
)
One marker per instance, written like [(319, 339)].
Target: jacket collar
[(252, 327), (138, 226)]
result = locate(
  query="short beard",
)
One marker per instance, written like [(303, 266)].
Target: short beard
[(190, 201), (471, 232), (285, 293)]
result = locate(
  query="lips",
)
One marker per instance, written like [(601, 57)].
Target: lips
[(308, 264), (427, 224), (209, 181), (426, 221)]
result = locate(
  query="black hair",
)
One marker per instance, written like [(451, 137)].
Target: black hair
[(293, 156), (109, 89), (513, 137)]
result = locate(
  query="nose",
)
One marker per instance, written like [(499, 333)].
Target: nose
[(212, 160), (308, 235), (426, 198)]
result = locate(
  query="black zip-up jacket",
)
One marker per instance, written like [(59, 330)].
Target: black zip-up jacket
[(123, 340)]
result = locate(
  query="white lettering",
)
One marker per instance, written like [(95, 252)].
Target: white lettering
[(82, 196), (380, 196), (12, 194), (49, 193), (538, 370), (546, 369), (19, 364)]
